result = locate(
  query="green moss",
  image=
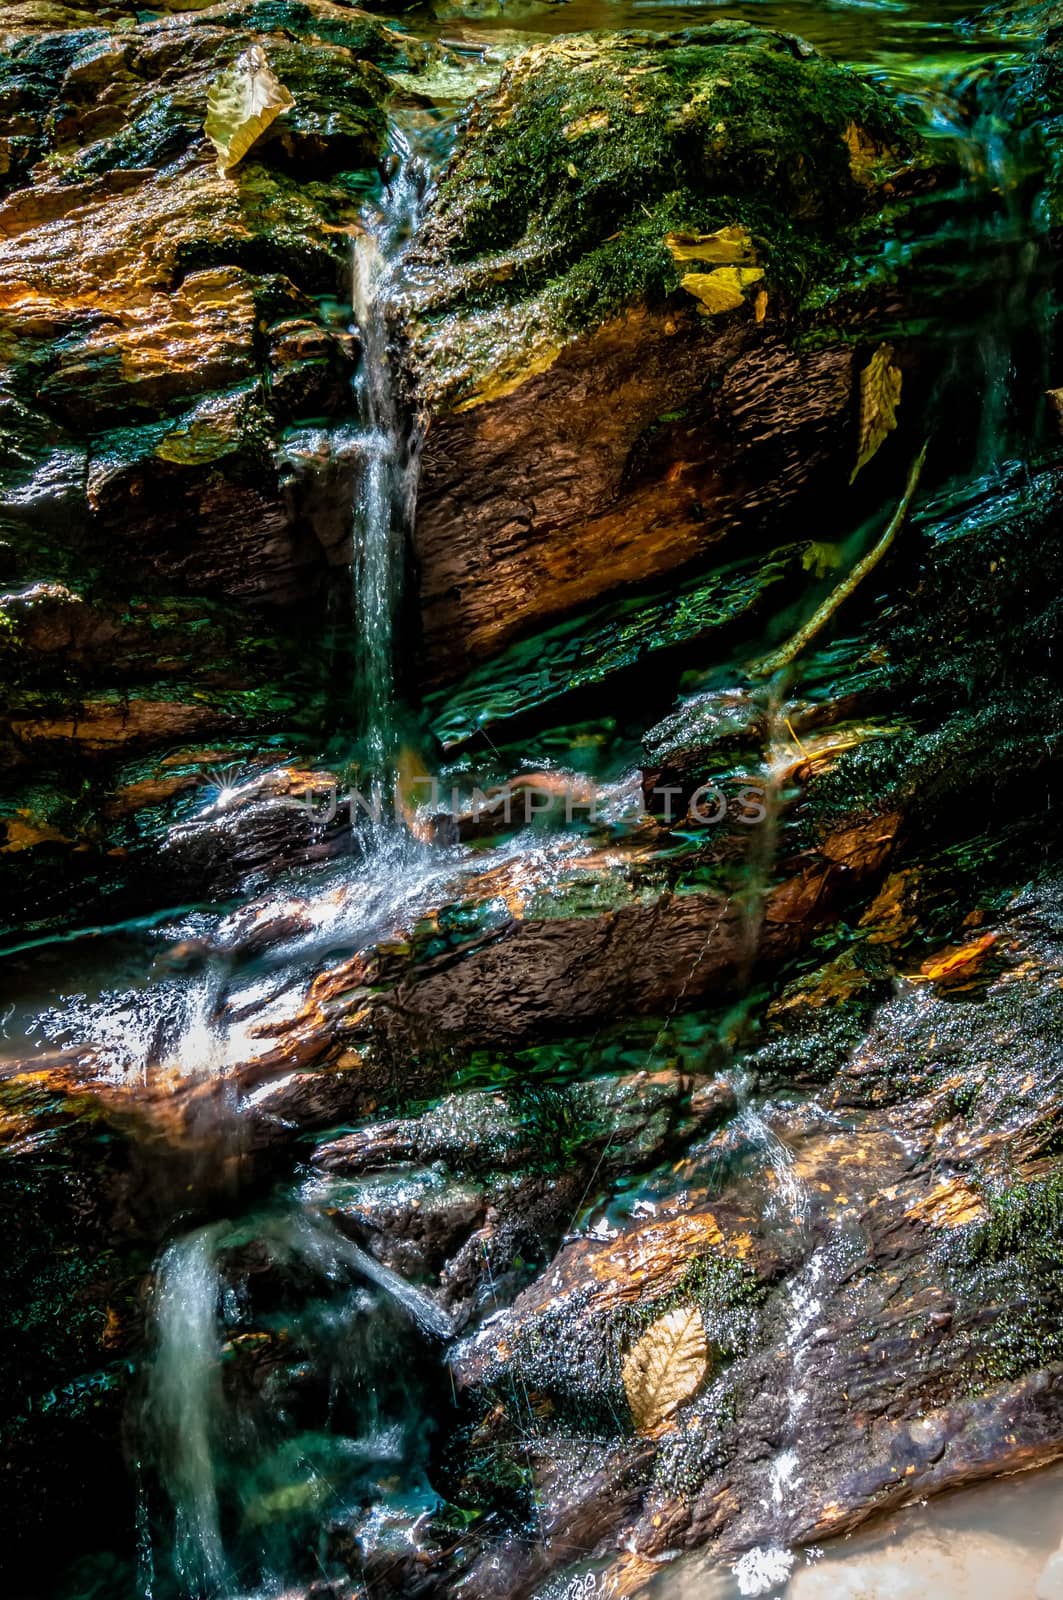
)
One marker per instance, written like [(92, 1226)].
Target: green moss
[(1023, 1218), (975, 625), (597, 146), (1010, 1266)]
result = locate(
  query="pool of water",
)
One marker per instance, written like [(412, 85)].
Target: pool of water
[(990, 1542)]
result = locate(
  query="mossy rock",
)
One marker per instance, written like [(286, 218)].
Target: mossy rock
[(607, 313), (555, 210), (174, 344)]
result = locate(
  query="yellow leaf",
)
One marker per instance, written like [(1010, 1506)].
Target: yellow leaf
[(880, 394), (1055, 400), (721, 290), (821, 557), (242, 103), (761, 304), (665, 1366), (864, 154), (727, 247), (955, 960)]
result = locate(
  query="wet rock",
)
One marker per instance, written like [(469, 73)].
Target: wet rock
[(71, 1280), (886, 1271), (413, 1220), (579, 962), (525, 1161), (887, 1330), (628, 644), (504, 1131), (268, 825), (169, 536), (591, 421)]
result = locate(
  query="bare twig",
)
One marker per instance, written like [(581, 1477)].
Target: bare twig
[(823, 613)]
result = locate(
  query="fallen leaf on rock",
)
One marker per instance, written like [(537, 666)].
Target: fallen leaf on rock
[(951, 1204), (831, 985), (880, 393), (594, 122), (821, 558), (864, 154), (242, 103), (721, 290), (727, 247), (950, 961), (1055, 400), (891, 916), (665, 1366)]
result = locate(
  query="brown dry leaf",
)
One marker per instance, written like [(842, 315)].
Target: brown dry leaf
[(243, 102), (727, 247), (952, 1204), (880, 393), (665, 1366), (721, 290)]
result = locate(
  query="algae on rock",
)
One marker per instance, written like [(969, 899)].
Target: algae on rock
[(604, 311)]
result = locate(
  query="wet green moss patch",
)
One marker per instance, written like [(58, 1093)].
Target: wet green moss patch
[(558, 202)]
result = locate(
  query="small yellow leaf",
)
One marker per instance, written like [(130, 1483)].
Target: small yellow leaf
[(821, 557), (665, 1366), (242, 103), (1055, 400), (864, 154), (727, 247), (721, 290), (760, 304), (880, 394), (954, 960)]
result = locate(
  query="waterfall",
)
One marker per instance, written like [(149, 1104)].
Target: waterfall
[(387, 485), (183, 1399), (238, 1476)]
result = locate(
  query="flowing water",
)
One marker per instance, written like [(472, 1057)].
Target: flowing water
[(290, 1382), (387, 492)]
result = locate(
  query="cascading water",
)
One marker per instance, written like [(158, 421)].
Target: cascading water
[(183, 1399), (189, 1425), (387, 488), (244, 1465)]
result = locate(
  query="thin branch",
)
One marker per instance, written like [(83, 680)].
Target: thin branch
[(823, 613)]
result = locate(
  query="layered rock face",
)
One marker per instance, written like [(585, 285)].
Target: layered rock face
[(607, 299), (170, 341), (781, 1101)]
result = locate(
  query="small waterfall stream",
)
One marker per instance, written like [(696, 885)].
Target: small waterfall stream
[(193, 1434), (387, 490), (183, 1407)]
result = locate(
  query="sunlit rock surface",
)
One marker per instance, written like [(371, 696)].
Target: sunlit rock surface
[(604, 304), (173, 514)]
